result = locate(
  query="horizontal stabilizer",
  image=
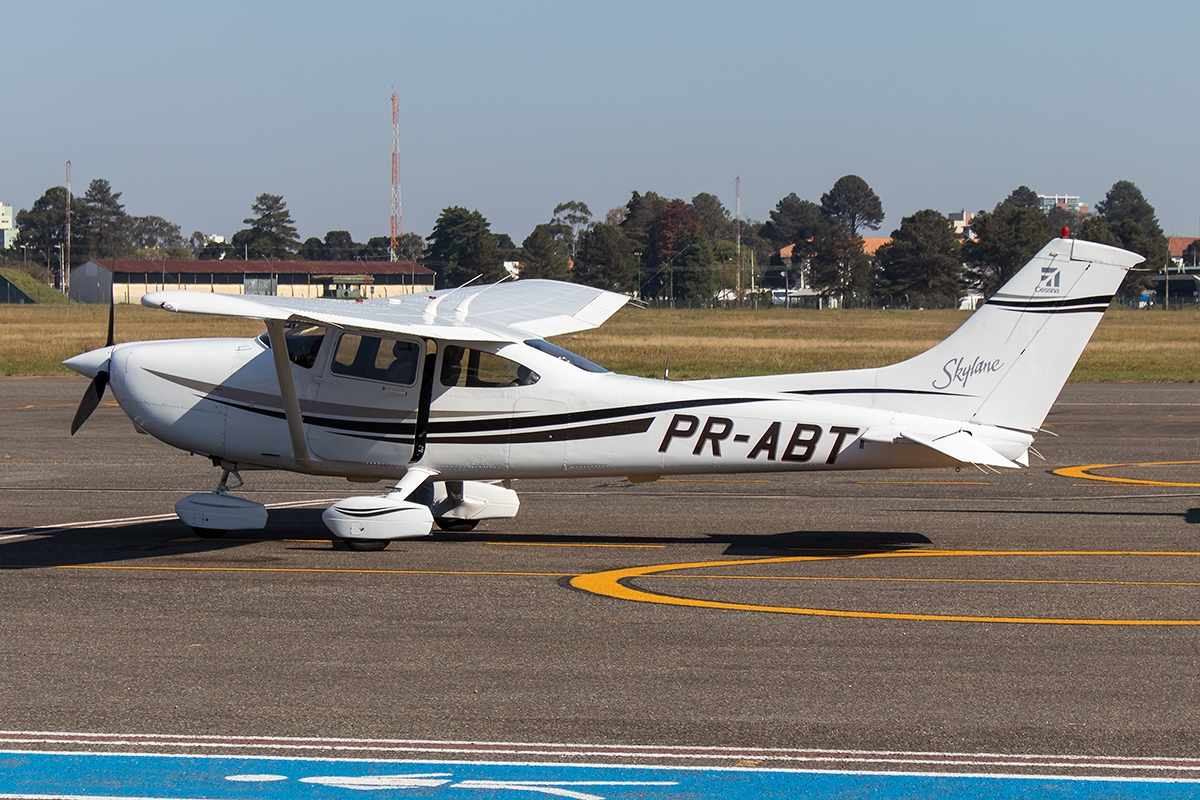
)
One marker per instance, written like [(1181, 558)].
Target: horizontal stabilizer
[(960, 445)]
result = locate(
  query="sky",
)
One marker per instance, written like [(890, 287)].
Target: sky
[(510, 108)]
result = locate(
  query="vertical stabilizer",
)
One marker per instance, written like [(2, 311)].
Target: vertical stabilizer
[(1006, 364)]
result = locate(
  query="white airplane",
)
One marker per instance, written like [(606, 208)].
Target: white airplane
[(454, 394)]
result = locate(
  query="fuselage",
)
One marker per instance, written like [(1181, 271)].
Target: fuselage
[(497, 411)]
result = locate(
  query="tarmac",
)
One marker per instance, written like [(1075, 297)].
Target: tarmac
[(1023, 614)]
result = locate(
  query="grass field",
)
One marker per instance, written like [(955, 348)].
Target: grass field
[(1128, 346)]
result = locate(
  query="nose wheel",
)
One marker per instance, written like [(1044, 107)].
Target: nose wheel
[(209, 533), (211, 515)]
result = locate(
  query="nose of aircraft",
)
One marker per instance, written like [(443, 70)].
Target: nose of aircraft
[(89, 363)]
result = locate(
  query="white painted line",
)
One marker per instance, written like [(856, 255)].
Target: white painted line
[(805, 755), (16, 533)]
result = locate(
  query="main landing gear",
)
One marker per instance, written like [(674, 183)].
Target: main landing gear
[(410, 510), (414, 507)]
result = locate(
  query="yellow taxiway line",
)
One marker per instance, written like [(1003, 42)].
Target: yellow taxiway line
[(1084, 472), (611, 583)]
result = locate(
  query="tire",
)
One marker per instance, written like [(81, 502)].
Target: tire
[(365, 545), (452, 525), (209, 533)]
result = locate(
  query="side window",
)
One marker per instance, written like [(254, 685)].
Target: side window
[(303, 342), (475, 368), (376, 358)]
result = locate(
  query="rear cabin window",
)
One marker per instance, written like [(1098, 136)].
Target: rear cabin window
[(463, 366), (376, 358)]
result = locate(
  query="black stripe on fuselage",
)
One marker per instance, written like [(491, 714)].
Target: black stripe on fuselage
[(443, 431), (577, 433), (876, 391)]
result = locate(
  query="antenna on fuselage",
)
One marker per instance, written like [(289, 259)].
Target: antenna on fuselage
[(667, 370)]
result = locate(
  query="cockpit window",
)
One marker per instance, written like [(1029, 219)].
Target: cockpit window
[(376, 358), (565, 355), (303, 342), (462, 366)]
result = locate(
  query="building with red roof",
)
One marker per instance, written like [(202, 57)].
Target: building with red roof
[(127, 280)]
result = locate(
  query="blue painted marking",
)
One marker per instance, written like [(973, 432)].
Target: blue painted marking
[(163, 777)]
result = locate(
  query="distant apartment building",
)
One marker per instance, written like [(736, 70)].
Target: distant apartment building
[(1069, 202), (8, 233), (962, 223)]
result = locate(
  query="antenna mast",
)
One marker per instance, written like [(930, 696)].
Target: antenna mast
[(65, 268), (737, 185), (397, 219)]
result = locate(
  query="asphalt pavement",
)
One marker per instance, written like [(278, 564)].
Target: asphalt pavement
[(919, 611)]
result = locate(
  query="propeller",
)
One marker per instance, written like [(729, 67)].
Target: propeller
[(95, 390)]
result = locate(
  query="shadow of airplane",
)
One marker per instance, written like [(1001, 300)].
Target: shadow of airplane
[(303, 529)]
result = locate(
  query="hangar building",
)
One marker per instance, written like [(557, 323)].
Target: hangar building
[(128, 280)]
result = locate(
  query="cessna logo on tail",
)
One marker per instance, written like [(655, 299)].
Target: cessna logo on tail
[(1049, 281)]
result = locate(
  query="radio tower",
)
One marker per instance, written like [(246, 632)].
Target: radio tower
[(737, 187), (65, 269), (397, 219)]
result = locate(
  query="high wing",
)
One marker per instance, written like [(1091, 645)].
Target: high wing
[(503, 312)]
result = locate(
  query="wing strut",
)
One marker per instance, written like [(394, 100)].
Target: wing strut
[(287, 389)]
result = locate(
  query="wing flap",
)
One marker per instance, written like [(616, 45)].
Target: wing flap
[(960, 445)]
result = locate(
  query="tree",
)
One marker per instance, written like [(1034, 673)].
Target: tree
[(1024, 197), (411, 247), (1131, 219), (313, 249), (272, 232), (196, 242), (852, 204), (695, 269), (1094, 229), (104, 226), (839, 265), (793, 220), (1191, 254), (641, 221), (463, 246), (571, 217), (1005, 240), (544, 255), (615, 216), (152, 237), (605, 259), (713, 216), (1124, 201), (43, 225), (339, 246), (922, 261)]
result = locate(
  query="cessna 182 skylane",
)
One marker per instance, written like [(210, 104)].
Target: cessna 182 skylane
[(455, 393)]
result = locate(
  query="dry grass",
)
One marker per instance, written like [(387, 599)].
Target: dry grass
[(1128, 346), (35, 338)]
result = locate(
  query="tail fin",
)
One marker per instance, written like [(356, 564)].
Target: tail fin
[(1007, 363)]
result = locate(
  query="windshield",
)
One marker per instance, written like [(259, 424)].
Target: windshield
[(303, 342), (564, 355)]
